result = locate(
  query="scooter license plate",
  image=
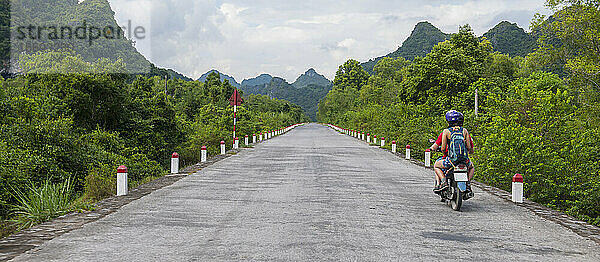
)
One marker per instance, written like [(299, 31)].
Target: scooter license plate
[(461, 177)]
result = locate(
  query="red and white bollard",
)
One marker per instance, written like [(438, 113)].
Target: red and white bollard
[(253, 138), (407, 151), (222, 147), (393, 146), (368, 138), (374, 139), (246, 140), (517, 188), (427, 157), (174, 163), (363, 136), (203, 154), (260, 136), (122, 181), (382, 141)]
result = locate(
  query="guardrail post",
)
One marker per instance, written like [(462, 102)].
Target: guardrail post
[(382, 141), (222, 147), (407, 151), (393, 146), (368, 138), (246, 140), (122, 181), (236, 143), (253, 138), (517, 188), (427, 157), (203, 154), (374, 139), (174, 163)]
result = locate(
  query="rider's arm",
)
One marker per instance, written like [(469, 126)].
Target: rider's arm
[(434, 147), (469, 140), (444, 139)]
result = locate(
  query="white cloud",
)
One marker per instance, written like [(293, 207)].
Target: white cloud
[(285, 38)]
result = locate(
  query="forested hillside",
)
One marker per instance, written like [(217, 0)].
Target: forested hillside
[(259, 80), (79, 128), (308, 90), (311, 77), (509, 38), (222, 77), (505, 37), (530, 121), (72, 15)]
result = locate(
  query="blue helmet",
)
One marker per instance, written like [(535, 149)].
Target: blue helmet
[(455, 118)]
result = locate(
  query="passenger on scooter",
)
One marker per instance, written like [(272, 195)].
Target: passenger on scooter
[(455, 121)]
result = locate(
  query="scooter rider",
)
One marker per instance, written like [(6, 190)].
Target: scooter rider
[(455, 121)]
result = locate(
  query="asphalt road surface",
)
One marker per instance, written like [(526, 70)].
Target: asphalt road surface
[(314, 194)]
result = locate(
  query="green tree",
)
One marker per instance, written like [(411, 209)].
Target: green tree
[(350, 75)]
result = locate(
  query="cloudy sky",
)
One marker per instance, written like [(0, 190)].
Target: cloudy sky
[(285, 38)]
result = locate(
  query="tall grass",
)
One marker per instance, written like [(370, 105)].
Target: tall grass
[(42, 203)]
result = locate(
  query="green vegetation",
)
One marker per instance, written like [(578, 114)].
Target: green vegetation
[(42, 203), (531, 121), (81, 127)]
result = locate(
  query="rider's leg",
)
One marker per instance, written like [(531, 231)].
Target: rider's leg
[(438, 166), (471, 172)]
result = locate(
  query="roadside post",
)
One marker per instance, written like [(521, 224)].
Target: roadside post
[(393, 146), (122, 181), (427, 157), (407, 151), (382, 141), (174, 163), (222, 147), (203, 154), (517, 188)]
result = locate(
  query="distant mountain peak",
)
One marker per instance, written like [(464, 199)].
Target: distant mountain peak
[(506, 38), (262, 79), (424, 25), (420, 42), (509, 38), (311, 77), (222, 77)]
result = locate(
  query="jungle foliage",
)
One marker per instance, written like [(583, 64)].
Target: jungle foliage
[(80, 127), (530, 120)]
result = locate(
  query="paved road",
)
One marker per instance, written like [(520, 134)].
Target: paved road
[(314, 194)]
